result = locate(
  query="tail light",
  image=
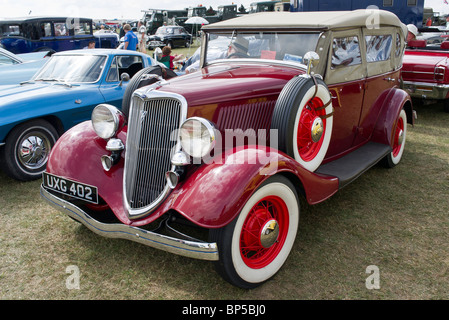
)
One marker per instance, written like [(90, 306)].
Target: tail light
[(439, 73)]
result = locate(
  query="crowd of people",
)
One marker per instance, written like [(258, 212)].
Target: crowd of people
[(136, 41)]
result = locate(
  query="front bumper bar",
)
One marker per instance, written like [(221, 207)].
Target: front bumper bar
[(192, 249)]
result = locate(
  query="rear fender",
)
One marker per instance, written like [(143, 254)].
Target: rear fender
[(396, 101)]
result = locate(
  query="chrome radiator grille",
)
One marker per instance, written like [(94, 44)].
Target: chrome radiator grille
[(150, 144)]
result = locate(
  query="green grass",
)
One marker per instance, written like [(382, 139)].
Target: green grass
[(396, 219)]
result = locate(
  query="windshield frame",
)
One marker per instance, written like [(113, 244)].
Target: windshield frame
[(103, 66), (206, 38)]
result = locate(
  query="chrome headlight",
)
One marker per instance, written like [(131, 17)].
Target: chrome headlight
[(197, 137), (107, 120)]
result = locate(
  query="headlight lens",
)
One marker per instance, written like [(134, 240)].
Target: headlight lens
[(197, 136), (106, 120)]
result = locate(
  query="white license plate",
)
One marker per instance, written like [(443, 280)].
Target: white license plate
[(70, 188)]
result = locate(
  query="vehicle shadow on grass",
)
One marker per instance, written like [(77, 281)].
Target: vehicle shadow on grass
[(373, 221)]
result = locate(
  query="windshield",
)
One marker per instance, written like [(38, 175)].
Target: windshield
[(164, 31), (261, 45), (75, 68)]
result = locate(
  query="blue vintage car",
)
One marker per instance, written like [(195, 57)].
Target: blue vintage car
[(61, 94), (32, 34), (17, 68)]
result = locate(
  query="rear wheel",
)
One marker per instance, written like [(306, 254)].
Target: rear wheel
[(400, 134), (256, 244)]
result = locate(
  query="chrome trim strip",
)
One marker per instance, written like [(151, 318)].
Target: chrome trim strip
[(147, 93), (418, 72), (192, 249), (2, 144)]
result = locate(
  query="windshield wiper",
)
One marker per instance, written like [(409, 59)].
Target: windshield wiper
[(58, 81), (26, 82), (48, 79)]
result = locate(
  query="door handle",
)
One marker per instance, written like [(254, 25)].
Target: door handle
[(390, 79)]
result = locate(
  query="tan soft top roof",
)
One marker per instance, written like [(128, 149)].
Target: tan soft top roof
[(322, 20)]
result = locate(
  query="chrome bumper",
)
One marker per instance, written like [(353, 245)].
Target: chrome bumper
[(156, 44), (192, 249), (426, 90)]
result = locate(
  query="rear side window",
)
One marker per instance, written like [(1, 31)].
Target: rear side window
[(45, 29), (345, 52), (378, 48)]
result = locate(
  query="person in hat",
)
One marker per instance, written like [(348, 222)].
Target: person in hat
[(412, 32), (238, 48)]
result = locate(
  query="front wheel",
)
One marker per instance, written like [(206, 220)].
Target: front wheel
[(255, 245), (27, 149)]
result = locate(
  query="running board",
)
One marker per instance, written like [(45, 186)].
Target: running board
[(351, 166)]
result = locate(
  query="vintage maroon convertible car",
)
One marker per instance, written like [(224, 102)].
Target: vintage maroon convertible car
[(303, 104), (425, 71)]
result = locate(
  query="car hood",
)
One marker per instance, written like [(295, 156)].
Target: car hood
[(21, 95), (231, 81)]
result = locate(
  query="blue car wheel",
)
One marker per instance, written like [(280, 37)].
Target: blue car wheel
[(27, 148)]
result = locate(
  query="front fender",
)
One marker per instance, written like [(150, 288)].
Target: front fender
[(397, 100), (214, 195)]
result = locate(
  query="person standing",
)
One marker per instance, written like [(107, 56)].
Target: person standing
[(122, 30), (142, 37), (130, 40)]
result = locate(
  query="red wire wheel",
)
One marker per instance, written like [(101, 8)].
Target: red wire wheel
[(398, 137), (264, 232), (303, 118), (255, 245), (310, 129), (398, 141)]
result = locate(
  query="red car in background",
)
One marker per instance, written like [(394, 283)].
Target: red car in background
[(301, 105), (425, 70)]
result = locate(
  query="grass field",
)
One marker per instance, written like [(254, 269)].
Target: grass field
[(395, 219)]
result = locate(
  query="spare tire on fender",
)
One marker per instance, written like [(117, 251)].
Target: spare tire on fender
[(141, 79), (303, 118)]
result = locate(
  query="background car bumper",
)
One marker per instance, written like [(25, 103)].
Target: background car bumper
[(156, 44), (193, 249), (426, 90)]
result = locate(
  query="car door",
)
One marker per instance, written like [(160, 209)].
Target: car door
[(177, 37), (112, 88), (345, 76), (383, 47)]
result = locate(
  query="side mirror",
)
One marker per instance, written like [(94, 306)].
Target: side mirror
[(311, 59), (124, 78)]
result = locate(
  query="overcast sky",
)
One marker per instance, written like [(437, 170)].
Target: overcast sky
[(131, 9)]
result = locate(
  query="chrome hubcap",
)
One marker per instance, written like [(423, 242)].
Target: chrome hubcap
[(317, 129), (400, 137), (33, 151), (269, 234)]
